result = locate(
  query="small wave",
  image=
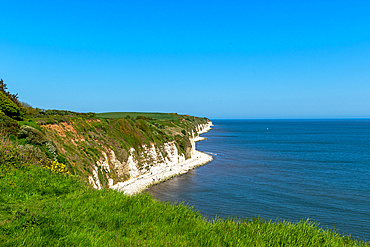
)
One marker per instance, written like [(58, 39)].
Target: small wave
[(211, 153)]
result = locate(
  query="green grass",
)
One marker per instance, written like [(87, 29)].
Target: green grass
[(40, 208), (81, 145), (155, 115)]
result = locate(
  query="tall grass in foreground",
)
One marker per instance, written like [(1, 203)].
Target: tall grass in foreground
[(41, 208), (109, 218)]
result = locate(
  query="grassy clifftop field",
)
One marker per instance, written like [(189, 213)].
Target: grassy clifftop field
[(156, 115), (46, 200)]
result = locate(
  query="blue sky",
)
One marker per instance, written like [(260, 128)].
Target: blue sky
[(219, 59)]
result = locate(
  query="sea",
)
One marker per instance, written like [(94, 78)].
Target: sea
[(292, 170)]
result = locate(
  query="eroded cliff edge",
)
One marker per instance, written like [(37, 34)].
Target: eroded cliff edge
[(169, 167), (108, 152)]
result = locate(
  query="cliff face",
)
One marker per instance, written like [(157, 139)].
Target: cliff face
[(151, 159), (203, 128), (108, 151)]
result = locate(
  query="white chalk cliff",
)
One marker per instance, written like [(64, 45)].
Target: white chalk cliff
[(156, 163)]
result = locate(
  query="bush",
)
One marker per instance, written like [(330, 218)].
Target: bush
[(28, 110), (9, 126), (142, 125), (57, 167), (8, 107), (31, 123), (144, 118), (34, 152), (11, 156), (51, 147), (32, 135), (62, 159)]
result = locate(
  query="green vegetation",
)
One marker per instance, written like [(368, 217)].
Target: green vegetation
[(9, 104), (43, 204), (80, 140), (154, 115), (8, 107), (41, 207)]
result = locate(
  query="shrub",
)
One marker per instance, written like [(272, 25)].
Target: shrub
[(32, 135), (57, 167), (62, 159), (144, 118), (10, 126), (33, 151), (31, 123), (51, 147), (8, 107), (51, 121), (142, 125), (28, 110), (11, 156)]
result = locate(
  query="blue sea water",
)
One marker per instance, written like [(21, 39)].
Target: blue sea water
[(282, 169)]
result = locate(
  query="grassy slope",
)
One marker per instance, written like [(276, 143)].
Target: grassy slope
[(62, 212), (80, 140), (42, 208)]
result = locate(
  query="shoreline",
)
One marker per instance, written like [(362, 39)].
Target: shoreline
[(136, 185)]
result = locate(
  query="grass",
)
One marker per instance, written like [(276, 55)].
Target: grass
[(155, 115), (80, 141), (85, 217), (39, 207)]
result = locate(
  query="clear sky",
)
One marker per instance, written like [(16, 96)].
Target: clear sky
[(219, 59)]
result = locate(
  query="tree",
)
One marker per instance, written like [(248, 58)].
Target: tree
[(8, 107), (9, 104), (2, 86)]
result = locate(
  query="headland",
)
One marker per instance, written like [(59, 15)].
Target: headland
[(167, 170)]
